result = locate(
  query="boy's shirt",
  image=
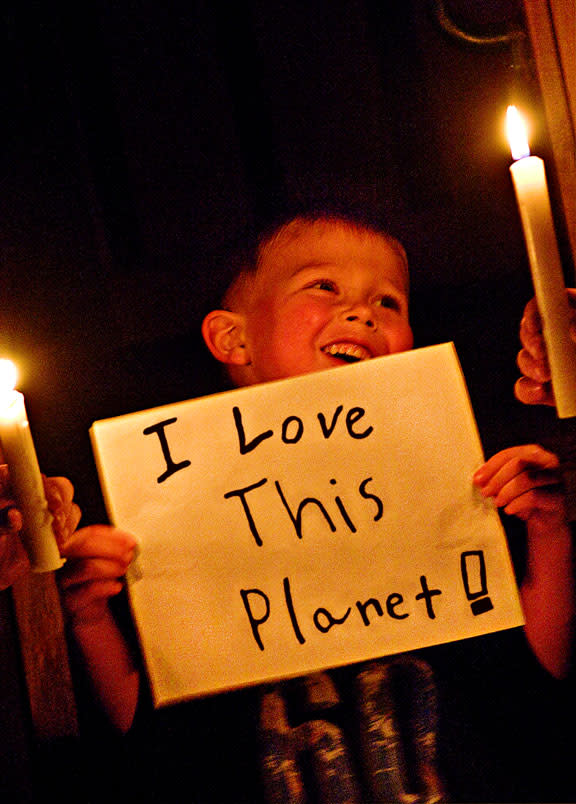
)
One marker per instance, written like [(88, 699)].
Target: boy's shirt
[(490, 691)]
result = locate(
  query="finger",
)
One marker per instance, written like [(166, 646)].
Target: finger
[(531, 392), (10, 519), (74, 517), (526, 482), (65, 521), (532, 339), (91, 569), (531, 320), (532, 313), (58, 490), (535, 368), (547, 500), (531, 324), (100, 541), (506, 464), (65, 512)]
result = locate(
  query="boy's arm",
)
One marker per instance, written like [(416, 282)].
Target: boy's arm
[(526, 482), (97, 559)]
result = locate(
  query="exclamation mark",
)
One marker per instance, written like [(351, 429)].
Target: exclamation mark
[(473, 568)]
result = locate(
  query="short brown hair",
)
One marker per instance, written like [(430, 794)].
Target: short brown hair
[(244, 261)]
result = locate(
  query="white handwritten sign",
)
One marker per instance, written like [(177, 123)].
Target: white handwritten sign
[(306, 523)]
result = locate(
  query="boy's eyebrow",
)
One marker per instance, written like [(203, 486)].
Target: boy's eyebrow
[(311, 266), (327, 264)]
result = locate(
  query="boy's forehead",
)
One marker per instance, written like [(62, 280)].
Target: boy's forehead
[(302, 243)]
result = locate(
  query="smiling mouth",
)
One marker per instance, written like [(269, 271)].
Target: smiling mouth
[(348, 352)]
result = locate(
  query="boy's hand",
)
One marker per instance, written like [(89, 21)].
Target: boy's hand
[(534, 387), (525, 481), (97, 559)]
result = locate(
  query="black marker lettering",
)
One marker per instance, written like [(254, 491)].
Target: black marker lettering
[(331, 619), (299, 430), (473, 568), (327, 430), (392, 601), (255, 622), (244, 445), (353, 415), (368, 496), (427, 594), (343, 511), (297, 520), (291, 612), (171, 466), (363, 606), (241, 493)]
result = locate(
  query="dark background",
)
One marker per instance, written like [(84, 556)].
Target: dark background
[(138, 138)]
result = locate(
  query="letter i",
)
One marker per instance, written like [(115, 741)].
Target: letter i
[(171, 465), (343, 511)]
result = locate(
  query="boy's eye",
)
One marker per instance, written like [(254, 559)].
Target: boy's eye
[(325, 284), (389, 302)]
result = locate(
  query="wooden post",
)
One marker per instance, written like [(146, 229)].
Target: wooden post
[(45, 657)]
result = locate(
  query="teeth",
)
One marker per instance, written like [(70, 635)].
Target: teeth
[(347, 351)]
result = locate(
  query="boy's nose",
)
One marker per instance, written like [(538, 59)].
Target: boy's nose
[(363, 319), (361, 312)]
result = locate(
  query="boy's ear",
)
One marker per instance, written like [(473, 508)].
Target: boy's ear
[(223, 333)]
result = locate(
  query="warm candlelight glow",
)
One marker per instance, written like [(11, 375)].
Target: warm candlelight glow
[(516, 132), (8, 376)]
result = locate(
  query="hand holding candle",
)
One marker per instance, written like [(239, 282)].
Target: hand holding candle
[(25, 477), (534, 386), (531, 189)]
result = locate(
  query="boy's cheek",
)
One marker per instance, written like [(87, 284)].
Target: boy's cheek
[(297, 327), (401, 340)]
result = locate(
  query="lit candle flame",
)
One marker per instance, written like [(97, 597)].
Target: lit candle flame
[(516, 131), (8, 376)]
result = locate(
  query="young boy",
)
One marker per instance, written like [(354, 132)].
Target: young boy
[(318, 292)]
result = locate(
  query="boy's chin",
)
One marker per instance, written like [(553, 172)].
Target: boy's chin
[(242, 376)]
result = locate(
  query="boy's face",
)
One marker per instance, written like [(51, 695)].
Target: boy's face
[(324, 295)]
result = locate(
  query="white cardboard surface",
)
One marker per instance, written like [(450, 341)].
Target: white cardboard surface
[(350, 531)]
